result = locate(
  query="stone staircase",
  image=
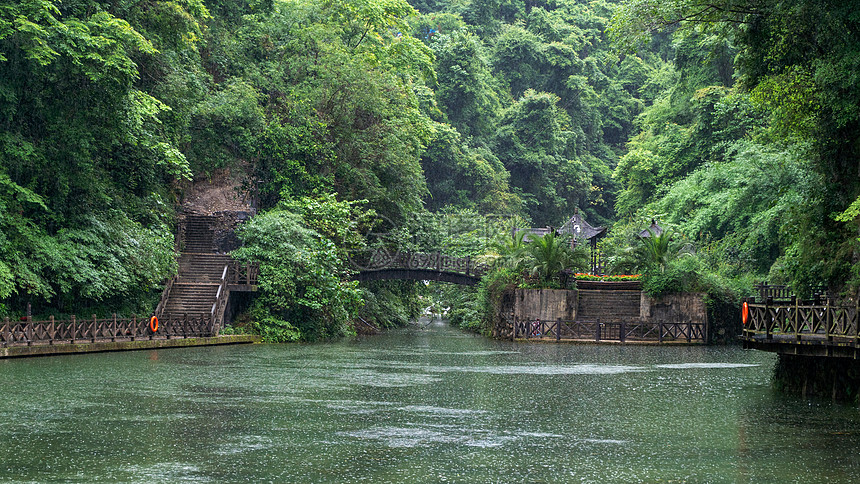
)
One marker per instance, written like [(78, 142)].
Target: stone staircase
[(202, 268), (194, 291), (610, 306), (199, 234), (190, 299)]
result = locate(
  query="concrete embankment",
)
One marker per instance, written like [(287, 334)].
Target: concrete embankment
[(143, 344)]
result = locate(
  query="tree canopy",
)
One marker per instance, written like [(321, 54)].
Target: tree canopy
[(734, 122)]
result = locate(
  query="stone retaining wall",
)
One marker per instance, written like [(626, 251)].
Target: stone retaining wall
[(604, 305), (544, 304)]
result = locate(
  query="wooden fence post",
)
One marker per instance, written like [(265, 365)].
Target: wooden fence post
[(660, 332), (828, 320), (558, 329), (74, 329), (796, 306), (597, 330), (856, 320), (767, 319), (689, 330), (622, 330), (514, 333)]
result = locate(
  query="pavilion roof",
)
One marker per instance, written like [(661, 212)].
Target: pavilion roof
[(654, 229), (578, 227)]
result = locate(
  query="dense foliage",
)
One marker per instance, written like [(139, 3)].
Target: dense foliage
[(304, 293), (734, 123), (753, 170)]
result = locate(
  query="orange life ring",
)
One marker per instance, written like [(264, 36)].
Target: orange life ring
[(745, 313), (153, 324)]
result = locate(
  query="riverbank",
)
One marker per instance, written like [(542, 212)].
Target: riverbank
[(107, 346)]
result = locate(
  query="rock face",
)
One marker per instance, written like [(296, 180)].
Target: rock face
[(224, 225), (219, 203), (221, 192)]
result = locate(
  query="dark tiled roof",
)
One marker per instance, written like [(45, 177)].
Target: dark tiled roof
[(654, 228), (580, 228)]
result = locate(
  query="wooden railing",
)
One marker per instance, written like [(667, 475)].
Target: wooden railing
[(50, 332), (801, 322), (165, 295), (235, 273), (245, 273), (599, 331), (179, 240), (783, 293), (776, 292), (219, 307)]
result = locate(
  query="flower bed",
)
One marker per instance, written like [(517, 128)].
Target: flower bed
[(629, 282), (609, 278)]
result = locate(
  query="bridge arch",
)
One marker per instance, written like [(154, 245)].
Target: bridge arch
[(418, 275), (420, 266)]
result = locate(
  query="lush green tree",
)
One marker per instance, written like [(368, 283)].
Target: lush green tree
[(337, 83), (519, 58), (795, 58), (464, 177), (467, 93), (550, 255), (305, 292), (655, 249), (84, 160), (534, 144)]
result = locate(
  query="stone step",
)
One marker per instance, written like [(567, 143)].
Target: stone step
[(609, 306), (199, 234), (200, 270)]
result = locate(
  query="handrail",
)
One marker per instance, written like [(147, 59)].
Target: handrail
[(219, 307), (165, 295), (179, 242), (242, 273), (801, 322)]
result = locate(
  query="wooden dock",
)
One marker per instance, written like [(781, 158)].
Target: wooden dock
[(796, 327)]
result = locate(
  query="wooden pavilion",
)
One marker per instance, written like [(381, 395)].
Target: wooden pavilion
[(583, 231), (580, 230)]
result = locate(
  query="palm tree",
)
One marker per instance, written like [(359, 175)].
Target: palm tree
[(656, 250), (513, 252), (550, 255)]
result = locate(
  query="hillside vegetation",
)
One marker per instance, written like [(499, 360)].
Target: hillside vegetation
[(734, 123)]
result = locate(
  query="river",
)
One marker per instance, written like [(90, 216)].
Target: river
[(423, 404)]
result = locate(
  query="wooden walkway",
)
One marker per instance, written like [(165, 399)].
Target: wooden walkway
[(792, 326), (31, 338)]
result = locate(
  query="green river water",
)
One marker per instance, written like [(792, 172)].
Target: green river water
[(417, 405)]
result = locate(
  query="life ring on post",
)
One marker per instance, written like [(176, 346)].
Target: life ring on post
[(153, 324), (745, 313)]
